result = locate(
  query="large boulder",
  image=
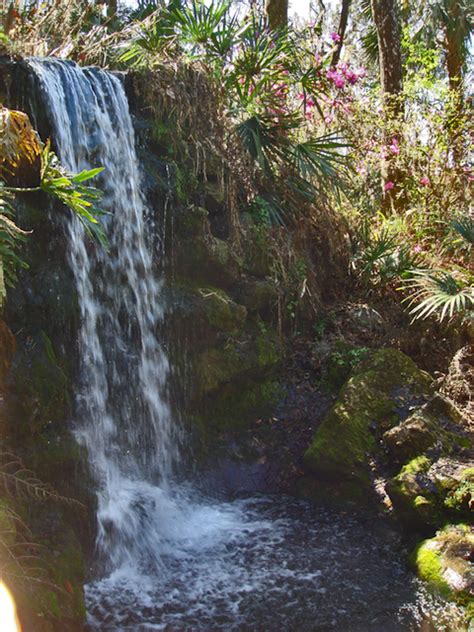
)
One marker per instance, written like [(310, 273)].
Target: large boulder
[(375, 398)]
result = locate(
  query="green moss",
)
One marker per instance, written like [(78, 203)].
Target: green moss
[(430, 569), (420, 464), (443, 562), (460, 496)]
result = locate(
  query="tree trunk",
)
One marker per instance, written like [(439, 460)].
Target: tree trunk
[(277, 14), (454, 66), (343, 19), (111, 8), (385, 14)]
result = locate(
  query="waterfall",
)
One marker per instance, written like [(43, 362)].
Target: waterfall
[(123, 416), (171, 559)]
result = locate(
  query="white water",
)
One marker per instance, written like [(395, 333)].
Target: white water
[(173, 560), (123, 415)]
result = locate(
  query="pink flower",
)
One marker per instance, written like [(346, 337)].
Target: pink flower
[(337, 79), (351, 77), (425, 181), (329, 119), (335, 37), (389, 186), (394, 147), (417, 249)]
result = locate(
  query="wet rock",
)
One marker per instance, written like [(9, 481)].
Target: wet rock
[(210, 260), (221, 311)]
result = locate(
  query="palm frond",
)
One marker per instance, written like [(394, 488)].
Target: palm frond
[(464, 226), (437, 292)]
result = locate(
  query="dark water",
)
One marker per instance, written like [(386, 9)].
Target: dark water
[(266, 563)]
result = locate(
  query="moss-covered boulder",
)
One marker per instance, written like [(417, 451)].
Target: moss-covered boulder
[(445, 563), (413, 493), (258, 295), (373, 400)]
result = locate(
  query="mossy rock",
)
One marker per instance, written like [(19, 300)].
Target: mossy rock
[(413, 494), (41, 385), (443, 562), (258, 295), (429, 494), (250, 353), (235, 405), (460, 491), (430, 426), (221, 312), (207, 259), (374, 399), (192, 222)]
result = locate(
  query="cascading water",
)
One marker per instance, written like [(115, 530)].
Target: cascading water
[(124, 418), (174, 560)]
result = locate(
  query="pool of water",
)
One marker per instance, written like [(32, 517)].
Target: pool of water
[(263, 563)]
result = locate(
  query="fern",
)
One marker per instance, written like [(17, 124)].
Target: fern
[(19, 482), (11, 237), (437, 292)]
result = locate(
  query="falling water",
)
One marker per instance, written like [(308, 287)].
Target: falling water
[(172, 559), (123, 415)]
